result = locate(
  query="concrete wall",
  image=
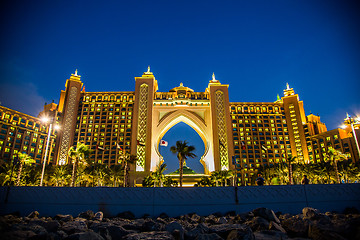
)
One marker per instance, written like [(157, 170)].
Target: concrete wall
[(49, 201)]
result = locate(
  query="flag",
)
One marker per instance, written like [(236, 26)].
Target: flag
[(118, 146), (263, 147), (163, 143), (140, 143), (221, 144), (99, 148), (243, 145)]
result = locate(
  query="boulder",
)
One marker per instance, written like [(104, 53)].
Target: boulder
[(210, 236), (110, 230), (258, 224), (174, 225), (149, 236), (296, 226), (127, 215), (99, 216), (241, 233), (201, 228), (223, 230), (321, 232), (74, 227), (270, 235), (266, 213), (151, 225), (222, 220), (87, 215), (64, 218), (33, 214), (310, 213), (276, 227), (88, 235), (18, 235)]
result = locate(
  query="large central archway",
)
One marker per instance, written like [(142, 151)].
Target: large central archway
[(165, 118)]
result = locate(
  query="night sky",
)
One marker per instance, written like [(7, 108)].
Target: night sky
[(254, 46)]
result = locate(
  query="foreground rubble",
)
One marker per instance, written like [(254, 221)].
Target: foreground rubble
[(259, 224)]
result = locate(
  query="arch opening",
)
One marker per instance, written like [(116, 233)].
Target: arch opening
[(181, 131)]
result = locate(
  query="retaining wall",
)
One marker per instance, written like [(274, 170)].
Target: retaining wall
[(50, 201)]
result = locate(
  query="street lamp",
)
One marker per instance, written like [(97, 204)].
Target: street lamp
[(351, 121), (45, 120)]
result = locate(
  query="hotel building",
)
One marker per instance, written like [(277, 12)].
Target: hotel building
[(242, 135)]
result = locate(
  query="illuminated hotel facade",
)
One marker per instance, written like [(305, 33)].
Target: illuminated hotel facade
[(241, 135)]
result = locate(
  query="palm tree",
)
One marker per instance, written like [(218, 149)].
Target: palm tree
[(290, 160), (78, 156), (116, 172), (125, 160), (24, 159), (334, 156), (159, 176), (60, 176), (183, 151), (6, 175)]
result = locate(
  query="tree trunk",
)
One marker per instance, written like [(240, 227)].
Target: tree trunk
[(73, 174), (337, 171), (290, 174), (125, 174), (19, 174), (181, 171)]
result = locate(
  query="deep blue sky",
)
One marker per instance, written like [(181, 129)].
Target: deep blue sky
[(254, 46)]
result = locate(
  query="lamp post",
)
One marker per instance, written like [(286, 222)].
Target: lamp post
[(45, 119), (351, 121)]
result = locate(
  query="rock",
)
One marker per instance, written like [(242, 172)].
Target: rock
[(276, 227), (64, 218), (74, 227), (149, 236), (211, 236), (163, 215), (99, 216), (270, 235), (171, 227), (109, 230), (50, 226), (310, 213), (241, 233), (196, 231), (222, 220), (296, 226), (150, 225), (266, 213), (33, 214), (18, 235), (351, 210), (88, 235), (195, 218), (134, 225), (87, 215), (320, 232), (126, 215), (258, 224), (223, 230)]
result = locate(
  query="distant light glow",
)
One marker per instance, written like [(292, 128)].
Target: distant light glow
[(343, 126), (57, 127), (45, 119)]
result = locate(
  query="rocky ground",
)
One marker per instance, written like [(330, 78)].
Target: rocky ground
[(259, 224)]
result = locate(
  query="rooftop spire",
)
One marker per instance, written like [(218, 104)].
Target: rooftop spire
[(213, 77), (287, 86), (148, 71)]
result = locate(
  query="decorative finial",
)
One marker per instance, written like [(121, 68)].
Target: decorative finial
[(213, 77), (278, 97), (181, 84), (347, 115), (148, 71), (287, 86), (75, 72)]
